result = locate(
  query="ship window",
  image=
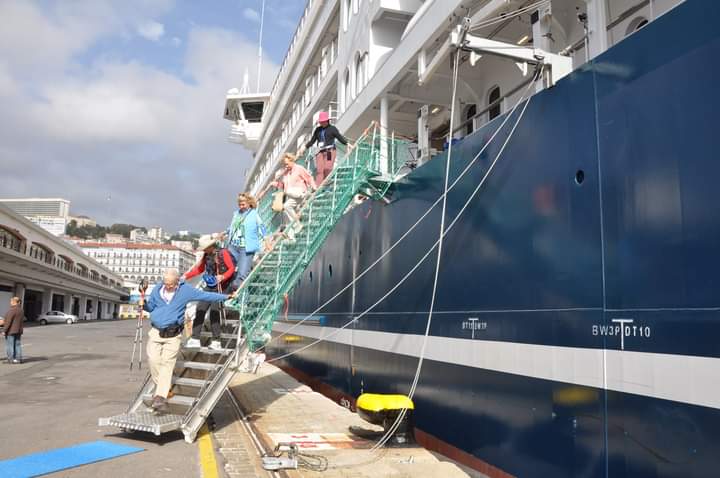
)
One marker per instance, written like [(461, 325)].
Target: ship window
[(636, 25), (358, 74), (330, 269), (494, 97), (346, 17), (253, 111), (469, 113), (579, 176), (347, 88)]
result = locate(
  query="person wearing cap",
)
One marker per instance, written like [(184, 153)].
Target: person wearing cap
[(217, 266), (243, 236), (296, 182), (324, 135)]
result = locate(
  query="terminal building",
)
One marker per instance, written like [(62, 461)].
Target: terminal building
[(52, 214), (48, 273), (135, 261)]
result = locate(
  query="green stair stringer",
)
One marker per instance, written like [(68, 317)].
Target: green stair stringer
[(261, 296)]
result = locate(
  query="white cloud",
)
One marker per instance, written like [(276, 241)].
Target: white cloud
[(151, 30), (44, 37), (146, 137), (176, 41), (251, 14)]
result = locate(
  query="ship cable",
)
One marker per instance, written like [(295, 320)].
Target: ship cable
[(462, 174), (440, 241), (503, 17), (389, 433), (398, 420)]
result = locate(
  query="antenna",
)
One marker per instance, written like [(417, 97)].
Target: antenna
[(246, 83), (262, 20)]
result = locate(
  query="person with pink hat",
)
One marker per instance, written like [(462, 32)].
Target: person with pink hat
[(324, 135)]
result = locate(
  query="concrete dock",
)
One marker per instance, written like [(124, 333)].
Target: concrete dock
[(278, 408)]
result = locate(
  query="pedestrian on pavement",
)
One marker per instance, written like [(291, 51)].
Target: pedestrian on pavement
[(217, 266), (324, 135), (243, 236), (167, 314), (295, 182), (13, 323)]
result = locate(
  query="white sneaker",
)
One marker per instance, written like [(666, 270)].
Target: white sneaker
[(193, 344), (215, 345)]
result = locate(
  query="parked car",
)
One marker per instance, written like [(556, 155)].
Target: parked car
[(57, 317), (131, 312)]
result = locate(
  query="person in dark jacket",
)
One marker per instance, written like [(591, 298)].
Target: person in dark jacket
[(13, 331), (324, 135), (167, 315), (218, 268)]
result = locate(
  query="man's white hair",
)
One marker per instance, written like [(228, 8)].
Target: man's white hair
[(171, 274)]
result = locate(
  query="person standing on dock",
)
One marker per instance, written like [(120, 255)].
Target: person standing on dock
[(324, 135), (167, 316), (13, 324)]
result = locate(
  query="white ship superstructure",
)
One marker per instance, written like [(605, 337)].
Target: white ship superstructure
[(389, 61)]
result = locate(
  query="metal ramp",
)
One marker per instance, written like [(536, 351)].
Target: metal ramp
[(202, 374)]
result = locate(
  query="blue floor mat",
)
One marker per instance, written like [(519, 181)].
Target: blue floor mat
[(50, 461)]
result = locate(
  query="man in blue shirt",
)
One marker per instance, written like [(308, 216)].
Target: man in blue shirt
[(167, 316)]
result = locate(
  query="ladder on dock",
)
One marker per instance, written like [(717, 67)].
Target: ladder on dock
[(202, 374)]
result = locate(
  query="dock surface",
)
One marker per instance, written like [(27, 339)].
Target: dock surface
[(278, 408)]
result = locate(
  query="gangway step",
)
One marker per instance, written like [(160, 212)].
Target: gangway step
[(182, 400), (208, 350), (222, 336), (197, 365), (188, 382), (143, 422)]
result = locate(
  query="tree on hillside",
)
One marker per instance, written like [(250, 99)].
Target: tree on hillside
[(85, 232), (124, 229)]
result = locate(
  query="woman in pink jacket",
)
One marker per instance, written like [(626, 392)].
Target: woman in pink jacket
[(296, 182)]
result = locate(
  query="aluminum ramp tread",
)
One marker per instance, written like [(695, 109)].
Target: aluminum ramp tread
[(188, 382), (196, 365), (182, 400), (222, 336), (208, 350), (144, 422)]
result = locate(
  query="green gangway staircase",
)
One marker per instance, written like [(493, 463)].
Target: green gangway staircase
[(369, 169), (202, 374)]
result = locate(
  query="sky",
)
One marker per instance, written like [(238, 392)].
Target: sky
[(117, 105)]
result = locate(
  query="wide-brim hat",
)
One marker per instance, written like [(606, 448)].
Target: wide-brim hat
[(206, 241), (323, 116)]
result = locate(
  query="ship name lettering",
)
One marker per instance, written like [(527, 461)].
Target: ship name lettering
[(473, 324), (622, 327)]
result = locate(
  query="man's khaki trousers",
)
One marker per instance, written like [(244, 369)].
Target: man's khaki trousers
[(162, 354)]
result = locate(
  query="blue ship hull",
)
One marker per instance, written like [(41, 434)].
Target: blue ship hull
[(579, 300)]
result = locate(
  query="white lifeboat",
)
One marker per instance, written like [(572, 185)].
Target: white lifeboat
[(246, 111)]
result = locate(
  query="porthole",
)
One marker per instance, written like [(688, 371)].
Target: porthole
[(330, 269), (579, 176)]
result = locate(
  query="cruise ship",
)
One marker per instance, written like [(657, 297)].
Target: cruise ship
[(576, 315)]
